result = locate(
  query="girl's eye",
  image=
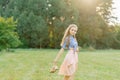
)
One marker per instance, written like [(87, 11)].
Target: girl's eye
[(72, 29), (75, 31)]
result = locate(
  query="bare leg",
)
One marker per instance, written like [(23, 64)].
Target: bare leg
[(66, 77), (72, 77)]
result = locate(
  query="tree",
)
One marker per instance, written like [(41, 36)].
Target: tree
[(8, 35), (31, 23), (41, 23)]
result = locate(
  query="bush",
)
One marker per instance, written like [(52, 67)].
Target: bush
[(8, 35)]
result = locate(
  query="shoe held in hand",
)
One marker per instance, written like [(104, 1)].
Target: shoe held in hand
[(53, 69)]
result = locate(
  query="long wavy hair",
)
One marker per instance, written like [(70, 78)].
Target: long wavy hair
[(67, 34)]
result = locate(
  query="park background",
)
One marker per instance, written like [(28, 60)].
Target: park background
[(31, 32)]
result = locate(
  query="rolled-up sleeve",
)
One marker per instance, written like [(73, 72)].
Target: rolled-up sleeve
[(64, 44)]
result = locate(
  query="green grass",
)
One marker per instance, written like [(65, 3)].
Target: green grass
[(34, 64)]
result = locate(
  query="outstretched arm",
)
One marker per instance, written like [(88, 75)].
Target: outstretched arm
[(58, 56), (60, 52)]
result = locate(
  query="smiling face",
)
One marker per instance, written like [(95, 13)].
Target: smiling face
[(73, 30)]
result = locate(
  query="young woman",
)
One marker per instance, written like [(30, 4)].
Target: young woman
[(69, 65)]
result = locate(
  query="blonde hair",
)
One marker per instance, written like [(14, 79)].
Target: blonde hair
[(67, 33)]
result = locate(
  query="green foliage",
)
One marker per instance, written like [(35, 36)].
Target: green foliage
[(31, 25), (41, 23), (8, 35), (116, 37)]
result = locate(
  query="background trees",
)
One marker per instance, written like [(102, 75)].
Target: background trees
[(41, 23)]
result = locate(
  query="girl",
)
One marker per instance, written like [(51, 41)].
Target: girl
[(69, 65)]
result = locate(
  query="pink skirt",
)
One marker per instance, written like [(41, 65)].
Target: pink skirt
[(69, 65)]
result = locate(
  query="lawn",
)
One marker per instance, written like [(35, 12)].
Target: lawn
[(34, 64)]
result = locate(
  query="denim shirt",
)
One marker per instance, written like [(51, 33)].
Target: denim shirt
[(73, 43)]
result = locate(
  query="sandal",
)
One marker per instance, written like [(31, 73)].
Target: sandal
[(53, 69)]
